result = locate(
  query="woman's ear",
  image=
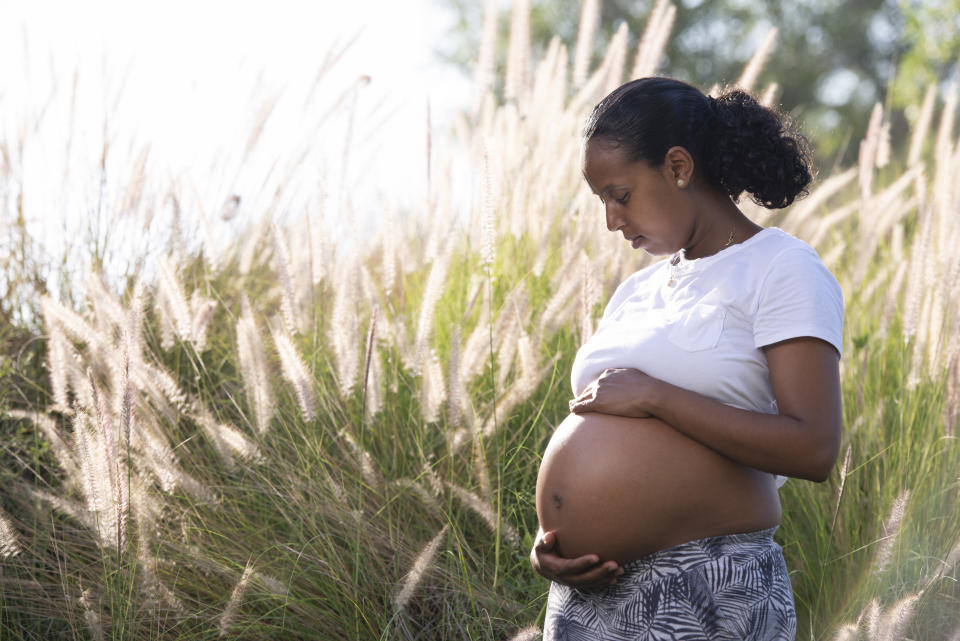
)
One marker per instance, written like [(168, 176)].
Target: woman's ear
[(678, 165)]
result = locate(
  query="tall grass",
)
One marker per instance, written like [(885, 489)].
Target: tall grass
[(369, 471)]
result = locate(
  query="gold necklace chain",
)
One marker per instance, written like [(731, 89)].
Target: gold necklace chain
[(676, 259)]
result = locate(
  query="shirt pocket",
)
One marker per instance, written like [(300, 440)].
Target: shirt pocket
[(699, 328)]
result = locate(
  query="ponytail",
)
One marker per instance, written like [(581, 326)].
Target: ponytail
[(752, 149)]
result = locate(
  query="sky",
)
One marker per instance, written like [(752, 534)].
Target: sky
[(189, 78)]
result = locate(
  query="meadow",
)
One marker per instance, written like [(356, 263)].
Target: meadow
[(294, 438)]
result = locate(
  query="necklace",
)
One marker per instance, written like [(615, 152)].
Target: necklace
[(676, 259)]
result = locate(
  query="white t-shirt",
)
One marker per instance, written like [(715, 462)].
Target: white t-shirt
[(705, 333)]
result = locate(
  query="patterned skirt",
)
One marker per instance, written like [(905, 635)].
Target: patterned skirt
[(733, 586)]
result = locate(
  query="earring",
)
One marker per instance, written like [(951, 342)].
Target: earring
[(680, 183)]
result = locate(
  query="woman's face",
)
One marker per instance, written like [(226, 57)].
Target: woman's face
[(641, 202)]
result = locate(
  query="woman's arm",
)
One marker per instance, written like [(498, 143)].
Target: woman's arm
[(802, 441)]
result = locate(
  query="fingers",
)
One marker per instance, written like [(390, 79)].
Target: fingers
[(583, 571), (602, 574), (543, 544)]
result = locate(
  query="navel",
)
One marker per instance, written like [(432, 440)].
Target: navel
[(557, 501)]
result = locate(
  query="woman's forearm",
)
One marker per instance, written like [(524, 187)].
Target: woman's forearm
[(775, 443)]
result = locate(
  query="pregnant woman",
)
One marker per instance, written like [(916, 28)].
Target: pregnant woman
[(712, 376)]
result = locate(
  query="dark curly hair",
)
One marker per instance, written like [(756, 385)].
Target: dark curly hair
[(738, 144)]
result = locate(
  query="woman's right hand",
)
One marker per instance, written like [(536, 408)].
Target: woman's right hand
[(582, 572)]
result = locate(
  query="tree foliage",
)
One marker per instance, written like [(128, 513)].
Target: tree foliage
[(832, 60)]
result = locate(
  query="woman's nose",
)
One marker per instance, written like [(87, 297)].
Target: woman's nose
[(614, 220)]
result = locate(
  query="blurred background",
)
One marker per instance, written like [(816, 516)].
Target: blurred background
[(833, 58), (182, 74)]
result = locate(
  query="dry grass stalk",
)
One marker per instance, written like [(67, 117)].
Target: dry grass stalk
[(892, 297), (518, 53), (389, 255), (202, 315), (288, 301), (529, 633), (891, 530), (433, 481), (557, 311), (507, 337), (153, 588), (273, 585), (97, 480), (914, 290), (769, 94), (64, 455), (107, 310), (373, 398), (425, 495), (617, 55), (811, 206), (486, 60), (589, 294), (946, 565), (951, 408), (9, 540), (530, 372), (171, 292), (849, 632), (344, 326), (843, 478), (586, 32), (117, 472), (482, 508), (420, 566), (654, 39), (870, 618), (934, 342), (480, 465), (368, 469), (867, 158), (253, 369), (942, 149), (455, 389), (759, 58), (90, 615), (432, 389), (57, 367), (227, 440), (431, 296), (230, 611), (893, 623), (477, 349), (370, 357), (295, 372), (549, 85), (922, 126), (883, 146), (488, 240)]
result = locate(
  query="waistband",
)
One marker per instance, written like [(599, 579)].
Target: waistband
[(737, 547)]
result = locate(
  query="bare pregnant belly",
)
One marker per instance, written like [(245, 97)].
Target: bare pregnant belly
[(623, 487)]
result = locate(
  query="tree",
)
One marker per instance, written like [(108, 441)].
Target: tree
[(832, 60)]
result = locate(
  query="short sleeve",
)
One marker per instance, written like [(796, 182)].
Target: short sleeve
[(799, 297)]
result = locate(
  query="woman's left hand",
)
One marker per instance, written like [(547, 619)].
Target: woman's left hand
[(618, 390)]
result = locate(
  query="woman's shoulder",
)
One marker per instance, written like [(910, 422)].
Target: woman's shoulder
[(773, 241)]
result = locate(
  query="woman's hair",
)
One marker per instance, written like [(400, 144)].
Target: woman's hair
[(738, 144)]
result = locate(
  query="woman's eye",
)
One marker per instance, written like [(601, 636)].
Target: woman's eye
[(623, 199)]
